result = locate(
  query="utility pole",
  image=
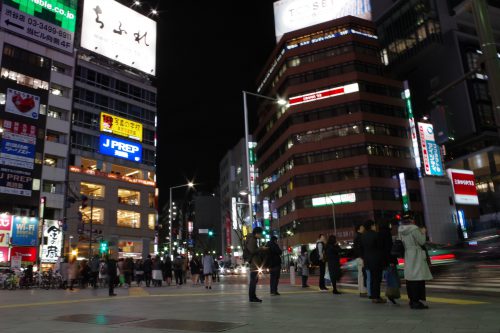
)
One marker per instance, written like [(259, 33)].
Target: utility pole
[(91, 231)]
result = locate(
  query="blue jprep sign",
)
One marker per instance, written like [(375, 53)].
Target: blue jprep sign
[(120, 148)]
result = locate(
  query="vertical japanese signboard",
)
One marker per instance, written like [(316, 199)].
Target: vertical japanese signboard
[(52, 244), (431, 154), (404, 192), (5, 233)]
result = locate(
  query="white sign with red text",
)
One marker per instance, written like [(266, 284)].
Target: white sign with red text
[(327, 93), (464, 186)]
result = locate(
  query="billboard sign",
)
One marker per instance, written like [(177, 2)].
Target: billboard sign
[(464, 186), (27, 253), (24, 230), (15, 182), (234, 213), (334, 199), (120, 34), (404, 192), (120, 148), (53, 241), (5, 229), (22, 104), (4, 254), (431, 155), (327, 93), (120, 126), (291, 15), (48, 22)]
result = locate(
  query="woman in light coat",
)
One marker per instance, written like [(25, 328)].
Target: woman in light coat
[(416, 267), (208, 269)]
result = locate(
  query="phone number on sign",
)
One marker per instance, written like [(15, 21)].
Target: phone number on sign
[(49, 28)]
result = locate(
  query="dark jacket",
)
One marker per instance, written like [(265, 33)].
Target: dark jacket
[(356, 247), (333, 260), (147, 265), (256, 253), (273, 258), (111, 268), (194, 266), (371, 247), (386, 245)]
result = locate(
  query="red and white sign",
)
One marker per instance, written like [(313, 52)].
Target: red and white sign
[(4, 254), (464, 186), (28, 253), (327, 93), (5, 229), (228, 229)]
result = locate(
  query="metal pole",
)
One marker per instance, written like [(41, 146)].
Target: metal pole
[(247, 153), (91, 231), (170, 211), (334, 220), (488, 47)]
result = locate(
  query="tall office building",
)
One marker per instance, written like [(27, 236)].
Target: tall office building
[(431, 44), (36, 88), (331, 158), (112, 173)]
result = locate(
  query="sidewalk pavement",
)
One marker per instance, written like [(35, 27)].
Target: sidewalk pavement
[(226, 308)]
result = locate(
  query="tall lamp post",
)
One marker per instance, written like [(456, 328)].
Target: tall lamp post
[(279, 101), (190, 185), (333, 216)]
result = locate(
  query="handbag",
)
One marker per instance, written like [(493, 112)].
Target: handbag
[(398, 249)]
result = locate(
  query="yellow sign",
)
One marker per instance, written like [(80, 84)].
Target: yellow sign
[(121, 126)]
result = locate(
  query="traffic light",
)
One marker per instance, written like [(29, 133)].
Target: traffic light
[(85, 201), (289, 249), (210, 233), (397, 217), (103, 247)]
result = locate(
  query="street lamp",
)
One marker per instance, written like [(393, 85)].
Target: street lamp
[(279, 101), (333, 215), (190, 185)]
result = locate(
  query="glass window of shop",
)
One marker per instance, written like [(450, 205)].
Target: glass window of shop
[(129, 197), (151, 200), (151, 221), (97, 215), (131, 249), (88, 164), (479, 164), (128, 219), (91, 190), (124, 171)]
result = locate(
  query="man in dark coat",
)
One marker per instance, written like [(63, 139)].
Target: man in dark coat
[(274, 264), (373, 257), (111, 268), (148, 270), (255, 260)]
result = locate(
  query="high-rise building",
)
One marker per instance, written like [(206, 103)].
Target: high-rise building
[(331, 158), (36, 89), (112, 172), (433, 44)]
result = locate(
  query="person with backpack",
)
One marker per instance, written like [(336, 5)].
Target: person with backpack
[(253, 254), (274, 264), (303, 264), (320, 261)]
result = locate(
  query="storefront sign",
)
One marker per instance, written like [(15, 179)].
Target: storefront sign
[(404, 192), (5, 229), (234, 213), (4, 254), (464, 186), (120, 148), (22, 103), (56, 29), (53, 239), (327, 93), (15, 262), (28, 253), (334, 199), (431, 154), (112, 176), (24, 231), (15, 182), (120, 126), (20, 132)]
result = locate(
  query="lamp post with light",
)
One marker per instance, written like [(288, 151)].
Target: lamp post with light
[(170, 211), (280, 102)]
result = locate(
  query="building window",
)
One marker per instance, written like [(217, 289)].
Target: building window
[(53, 161), (128, 219), (97, 215), (58, 90), (151, 221), (129, 197), (151, 200), (95, 191)]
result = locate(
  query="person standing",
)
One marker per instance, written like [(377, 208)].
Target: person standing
[(373, 259), (194, 267), (121, 272), (147, 265), (157, 274), (255, 259), (72, 272), (359, 230), (94, 270), (274, 264), (390, 263), (208, 269), (112, 271), (139, 272), (416, 270), (333, 260), (178, 268), (167, 270), (321, 246), (303, 264)]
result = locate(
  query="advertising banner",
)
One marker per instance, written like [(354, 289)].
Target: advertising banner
[(5, 229), (327, 93), (120, 148), (15, 182), (22, 104), (120, 34), (4, 254), (20, 132), (27, 253), (16, 262), (120, 126), (53, 241), (404, 192), (431, 154), (48, 22), (291, 15), (464, 186), (24, 231), (334, 199)]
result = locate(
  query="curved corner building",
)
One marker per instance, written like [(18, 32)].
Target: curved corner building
[(343, 137)]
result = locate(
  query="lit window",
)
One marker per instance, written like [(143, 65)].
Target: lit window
[(95, 191), (97, 215), (151, 221), (129, 197), (128, 219), (151, 200)]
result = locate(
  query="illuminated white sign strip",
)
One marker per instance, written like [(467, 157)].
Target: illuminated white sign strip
[(327, 93), (335, 199)]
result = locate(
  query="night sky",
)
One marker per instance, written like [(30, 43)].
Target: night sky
[(209, 51)]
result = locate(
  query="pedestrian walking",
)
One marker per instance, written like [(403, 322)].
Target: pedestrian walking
[(253, 254), (129, 271), (362, 287), (72, 272), (157, 273), (321, 246), (94, 271), (274, 263), (194, 267), (112, 273), (390, 263), (167, 270), (416, 270), (121, 272), (303, 264), (208, 269), (178, 268), (148, 270), (373, 260), (84, 274), (103, 273), (333, 261), (139, 272)]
